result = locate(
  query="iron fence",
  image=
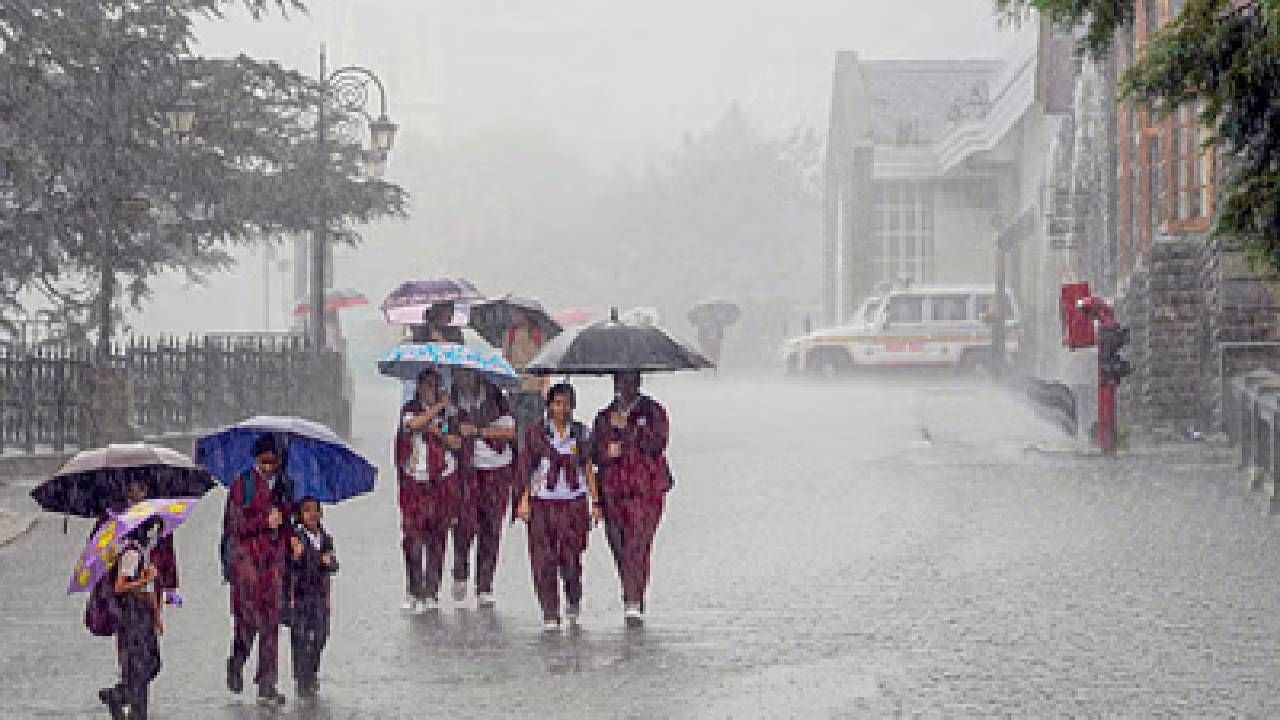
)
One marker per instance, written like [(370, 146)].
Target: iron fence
[(56, 398)]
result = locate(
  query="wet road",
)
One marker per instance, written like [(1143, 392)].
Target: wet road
[(865, 549)]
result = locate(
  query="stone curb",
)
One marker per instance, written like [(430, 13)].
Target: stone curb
[(14, 525)]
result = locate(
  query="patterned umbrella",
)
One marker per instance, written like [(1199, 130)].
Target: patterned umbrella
[(334, 299), (611, 346), (406, 361), (94, 480), (492, 320), (317, 462), (406, 304), (103, 548)]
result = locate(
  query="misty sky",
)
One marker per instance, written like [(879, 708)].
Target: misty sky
[(612, 81)]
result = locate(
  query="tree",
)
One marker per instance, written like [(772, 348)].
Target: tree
[(1221, 55), (732, 211), (102, 196)]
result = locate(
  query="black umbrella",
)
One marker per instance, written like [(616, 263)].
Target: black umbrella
[(607, 347), (491, 319), (95, 480)]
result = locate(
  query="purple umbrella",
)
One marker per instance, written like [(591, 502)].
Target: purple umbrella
[(406, 304), (105, 545)]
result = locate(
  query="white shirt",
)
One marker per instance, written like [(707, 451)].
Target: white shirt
[(560, 490), (315, 538), (485, 457), (130, 560), (419, 469)]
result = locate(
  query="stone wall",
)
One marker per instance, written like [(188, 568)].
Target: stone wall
[(1198, 315), (1240, 323), (1162, 305)]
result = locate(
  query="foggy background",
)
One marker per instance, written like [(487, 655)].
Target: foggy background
[(545, 146)]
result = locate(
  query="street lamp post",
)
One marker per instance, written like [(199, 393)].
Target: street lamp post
[(348, 89)]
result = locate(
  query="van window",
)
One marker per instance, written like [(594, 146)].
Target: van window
[(949, 308), (905, 309)]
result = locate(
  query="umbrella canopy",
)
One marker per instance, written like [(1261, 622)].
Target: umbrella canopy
[(105, 545), (334, 299), (572, 317), (406, 304), (714, 312), (406, 361), (95, 480), (317, 462), (610, 346), (492, 319)]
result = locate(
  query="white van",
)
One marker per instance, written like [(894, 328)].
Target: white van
[(916, 326)]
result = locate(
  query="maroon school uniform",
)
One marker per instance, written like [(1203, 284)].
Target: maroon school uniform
[(428, 508), (632, 488), (257, 574), (559, 520), (484, 490)]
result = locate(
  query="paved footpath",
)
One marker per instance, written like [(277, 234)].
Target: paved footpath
[(870, 548)]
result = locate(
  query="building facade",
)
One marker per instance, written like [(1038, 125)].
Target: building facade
[(927, 165)]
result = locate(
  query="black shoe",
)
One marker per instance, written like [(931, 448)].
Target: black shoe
[(235, 682), (111, 698), (268, 695), (308, 688)]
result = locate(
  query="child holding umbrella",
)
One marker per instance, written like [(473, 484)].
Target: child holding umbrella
[(139, 624), (428, 491)]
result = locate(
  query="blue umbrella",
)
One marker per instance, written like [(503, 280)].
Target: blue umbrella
[(317, 462), (406, 361)]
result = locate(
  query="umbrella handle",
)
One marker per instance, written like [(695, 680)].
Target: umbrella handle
[(65, 518)]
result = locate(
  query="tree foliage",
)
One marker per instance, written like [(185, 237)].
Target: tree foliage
[(1099, 19), (1222, 54), (101, 195)]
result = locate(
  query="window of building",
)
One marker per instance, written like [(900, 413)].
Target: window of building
[(1190, 165), (903, 227)]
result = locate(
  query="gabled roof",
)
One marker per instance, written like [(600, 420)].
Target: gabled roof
[(922, 92)]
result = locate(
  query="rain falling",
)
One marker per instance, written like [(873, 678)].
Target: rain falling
[(747, 359)]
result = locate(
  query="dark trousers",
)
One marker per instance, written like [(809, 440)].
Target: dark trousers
[(424, 560), (630, 524), (558, 532), (267, 631), (308, 632), (138, 650), (484, 505)]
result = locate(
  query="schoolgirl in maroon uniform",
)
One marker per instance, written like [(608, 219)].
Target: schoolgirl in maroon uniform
[(162, 556), (559, 502), (257, 505), (429, 491), (484, 429), (629, 440)]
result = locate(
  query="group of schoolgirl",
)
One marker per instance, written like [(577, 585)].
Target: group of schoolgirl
[(461, 460)]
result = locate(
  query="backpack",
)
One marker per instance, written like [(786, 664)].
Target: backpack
[(102, 610)]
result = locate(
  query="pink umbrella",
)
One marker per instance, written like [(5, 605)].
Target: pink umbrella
[(573, 317), (105, 545), (334, 300)]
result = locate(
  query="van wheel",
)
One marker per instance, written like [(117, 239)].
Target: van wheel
[(828, 363)]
